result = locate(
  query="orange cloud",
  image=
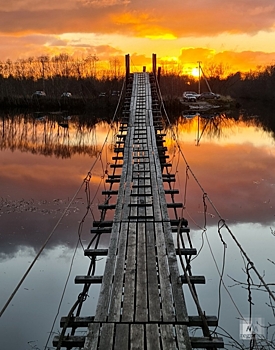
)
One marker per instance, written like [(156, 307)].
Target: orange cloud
[(232, 61), (111, 16), (31, 28), (141, 24)]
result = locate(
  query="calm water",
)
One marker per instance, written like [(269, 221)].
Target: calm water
[(43, 165)]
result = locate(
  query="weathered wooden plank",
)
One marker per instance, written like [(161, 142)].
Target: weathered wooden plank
[(106, 336), (130, 276), (154, 182), (179, 302), (152, 337), (140, 205), (137, 337), (183, 337), (168, 338), (92, 338), (106, 286), (141, 312), (164, 276), (117, 288), (153, 288), (121, 212), (122, 337)]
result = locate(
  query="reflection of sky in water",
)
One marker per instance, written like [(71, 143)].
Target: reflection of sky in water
[(33, 309), (234, 170), (258, 243)]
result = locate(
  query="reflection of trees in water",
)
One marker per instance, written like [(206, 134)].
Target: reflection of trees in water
[(50, 134)]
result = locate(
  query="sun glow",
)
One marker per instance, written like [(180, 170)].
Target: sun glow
[(195, 72)]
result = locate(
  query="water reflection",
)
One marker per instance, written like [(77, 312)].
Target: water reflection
[(52, 134), (45, 159)]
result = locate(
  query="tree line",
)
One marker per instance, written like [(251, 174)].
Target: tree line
[(257, 85), (87, 77)]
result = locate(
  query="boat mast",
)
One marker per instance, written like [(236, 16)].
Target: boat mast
[(204, 77), (199, 90)]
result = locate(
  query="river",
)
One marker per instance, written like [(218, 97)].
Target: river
[(226, 173)]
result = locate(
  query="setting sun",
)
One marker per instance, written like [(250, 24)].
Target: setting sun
[(195, 72)]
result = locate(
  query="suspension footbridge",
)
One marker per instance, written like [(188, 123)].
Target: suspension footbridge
[(141, 304)]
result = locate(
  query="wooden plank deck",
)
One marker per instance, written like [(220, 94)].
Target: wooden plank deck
[(141, 303), (141, 280)]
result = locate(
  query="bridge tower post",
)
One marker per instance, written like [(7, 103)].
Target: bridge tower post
[(127, 67), (154, 64)]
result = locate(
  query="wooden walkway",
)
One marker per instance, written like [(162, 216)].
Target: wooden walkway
[(141, 303)]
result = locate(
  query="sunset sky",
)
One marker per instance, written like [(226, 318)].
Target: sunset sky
[(240, 34)]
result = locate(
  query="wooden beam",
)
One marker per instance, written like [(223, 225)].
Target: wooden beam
[(186, 251), (182, 229), (206, 343), (174, 205), (96, 252), (106, 206), (102, 223), (116, 165), (77, 322), (195, 321), (110, 192), (70, 341), (101, 230), (193, 279), (88, 279)]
